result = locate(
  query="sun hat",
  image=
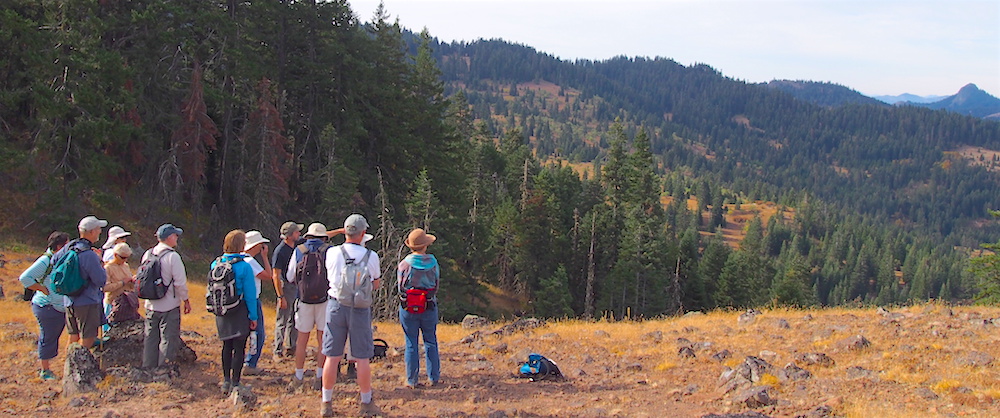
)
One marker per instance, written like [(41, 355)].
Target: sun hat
[(254, 238), (91, 222), (113, 234), (316, 230), (354, 224), (166, 230), (419, 239), (123, 249), (289, 228)]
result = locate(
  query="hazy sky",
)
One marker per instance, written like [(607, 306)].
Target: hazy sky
[(878, 47)]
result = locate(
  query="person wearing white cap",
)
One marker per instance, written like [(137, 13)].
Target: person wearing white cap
[(85, 313), (347, 321), (116, 235), (256, 244)]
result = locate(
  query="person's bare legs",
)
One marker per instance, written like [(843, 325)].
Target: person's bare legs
[(301, 341)]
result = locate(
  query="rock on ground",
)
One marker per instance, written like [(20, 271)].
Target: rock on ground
[(124, 346), (82, 372)]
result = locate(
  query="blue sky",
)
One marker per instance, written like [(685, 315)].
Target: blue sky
[(878, 47)]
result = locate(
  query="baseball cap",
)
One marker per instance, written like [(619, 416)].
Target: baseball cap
[(167, 230)]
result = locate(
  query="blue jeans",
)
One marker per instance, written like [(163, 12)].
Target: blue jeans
[(413, 325), (252, 359)]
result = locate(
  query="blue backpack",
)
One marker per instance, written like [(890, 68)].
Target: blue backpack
[(66, 276), (538, 367)]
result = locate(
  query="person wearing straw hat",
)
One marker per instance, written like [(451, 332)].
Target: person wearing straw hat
[(285, 334), (256, 245), (119, 291), (310, 310), (417, 279), (116, 235)]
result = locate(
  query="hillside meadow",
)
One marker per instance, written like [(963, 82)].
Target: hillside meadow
[(924, 360)]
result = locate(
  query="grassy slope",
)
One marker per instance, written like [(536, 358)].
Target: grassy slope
[(914, 360)]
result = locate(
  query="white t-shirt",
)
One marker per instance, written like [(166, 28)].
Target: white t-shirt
[(256, 267), (335, 263)]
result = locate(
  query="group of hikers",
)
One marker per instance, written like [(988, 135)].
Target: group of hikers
[(320, 288)]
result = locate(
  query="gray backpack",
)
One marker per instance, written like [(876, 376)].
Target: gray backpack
[(355, 287)]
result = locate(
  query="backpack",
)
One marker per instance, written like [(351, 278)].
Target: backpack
[(220, 293), (310, 275), (419, 289), (355, 289), (30, 293), (538, 367), (66, 276), (150, 278)]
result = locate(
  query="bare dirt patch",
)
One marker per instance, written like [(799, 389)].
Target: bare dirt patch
[(980, 156)]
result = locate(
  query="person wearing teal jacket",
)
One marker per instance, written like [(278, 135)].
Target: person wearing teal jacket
[(234, 326)]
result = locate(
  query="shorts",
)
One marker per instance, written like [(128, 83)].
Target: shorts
[(84, 320), (341, 322), (309, 316)]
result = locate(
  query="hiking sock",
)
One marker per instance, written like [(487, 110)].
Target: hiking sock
[(327, 395), (319, 372), (300, 374), (366, 397)]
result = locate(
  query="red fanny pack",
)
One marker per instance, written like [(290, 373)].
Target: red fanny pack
[(416, 300)]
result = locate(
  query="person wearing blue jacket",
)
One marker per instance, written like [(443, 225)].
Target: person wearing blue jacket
[(48, 306), (417, 278), (234, 326), (85, 312)]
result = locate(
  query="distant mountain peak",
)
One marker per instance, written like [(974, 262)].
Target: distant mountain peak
[(970, 100)]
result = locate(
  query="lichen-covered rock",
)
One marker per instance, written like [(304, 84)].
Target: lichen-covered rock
[(748, 317), (82, 372), (755, 397), (974, 359), (818, 359), (474, 321), (855, 343), (244, 400), (125, 344)]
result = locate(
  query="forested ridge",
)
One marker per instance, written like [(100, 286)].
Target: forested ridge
[(224, 114)]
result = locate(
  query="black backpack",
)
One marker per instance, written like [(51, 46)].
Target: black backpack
[(539, 367), (150, 279), (220, 293), (310, 275)]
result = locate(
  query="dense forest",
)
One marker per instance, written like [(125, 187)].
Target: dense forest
[(222, 114)]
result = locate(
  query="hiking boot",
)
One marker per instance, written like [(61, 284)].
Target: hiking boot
[(436, 383), (227, 387), (327, 409), (318, 383), (252, 371), (295, 385), (413, 385), (369, 409), (352, 371), (47, 375)]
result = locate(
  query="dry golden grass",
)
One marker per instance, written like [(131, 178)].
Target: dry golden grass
[(614, 367)]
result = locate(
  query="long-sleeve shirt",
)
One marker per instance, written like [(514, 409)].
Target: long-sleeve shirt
[(119, 281), (172, 271), (245, 286), (92, 270), (36, 274)]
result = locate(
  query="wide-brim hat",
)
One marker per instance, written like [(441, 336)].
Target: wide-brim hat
[(316, 230), (418, 238), (113, 234), (254, 238)]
